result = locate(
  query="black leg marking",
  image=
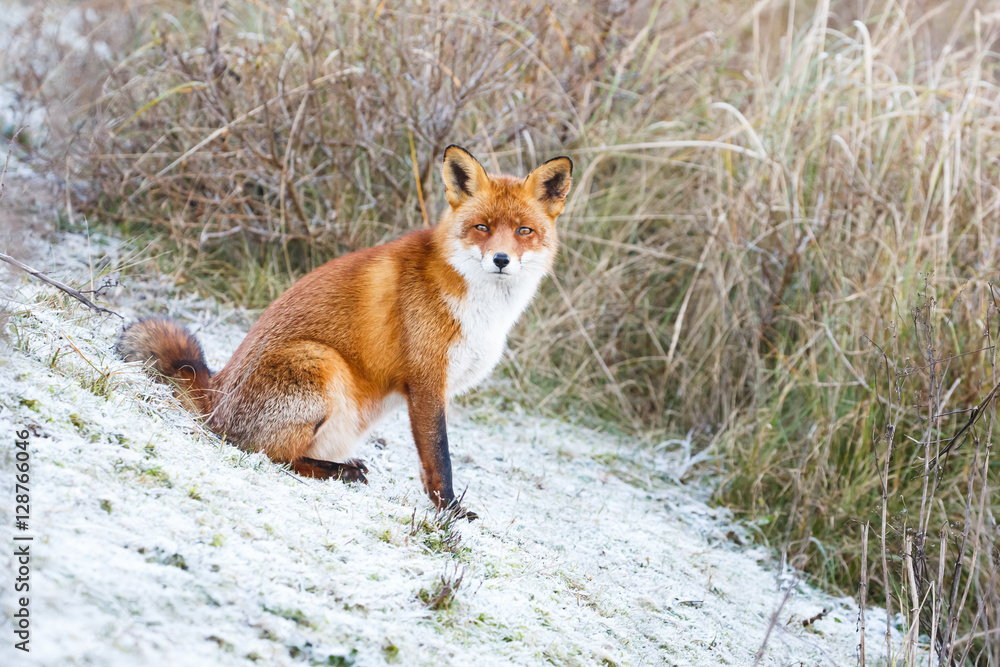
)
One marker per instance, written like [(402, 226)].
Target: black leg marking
[(443, 456)]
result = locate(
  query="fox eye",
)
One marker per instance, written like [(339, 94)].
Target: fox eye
[(524, 231), (483, 228)]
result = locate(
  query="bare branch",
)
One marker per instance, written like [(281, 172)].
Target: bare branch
[(76, 294), (10, 149)]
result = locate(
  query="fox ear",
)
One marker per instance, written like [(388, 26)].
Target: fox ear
[(464, 177), (550, 183)]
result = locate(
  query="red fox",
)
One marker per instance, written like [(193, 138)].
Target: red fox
[(417, 320)]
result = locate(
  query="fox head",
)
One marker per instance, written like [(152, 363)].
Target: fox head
[(501, 228)]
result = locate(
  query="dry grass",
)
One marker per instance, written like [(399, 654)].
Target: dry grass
[(938, 551), (782, 232)]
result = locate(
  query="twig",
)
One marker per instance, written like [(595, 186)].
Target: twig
[(910, 577), (937, 590), (863, 592), (977, 412), (10, 149), (773, 623), (416, 178), (818, 617), (76, 294)]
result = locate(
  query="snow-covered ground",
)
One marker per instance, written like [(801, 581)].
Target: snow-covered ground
[(157, 544)]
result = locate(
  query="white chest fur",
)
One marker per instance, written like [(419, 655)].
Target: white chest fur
[(486, 315)]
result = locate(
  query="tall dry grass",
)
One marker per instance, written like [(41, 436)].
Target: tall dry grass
[(939, 552), (782, 232)]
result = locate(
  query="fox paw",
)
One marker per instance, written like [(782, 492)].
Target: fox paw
[(352, 471), (463, 513), (456, 509), (349, 471)]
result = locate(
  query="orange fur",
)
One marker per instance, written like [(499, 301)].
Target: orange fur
[(416, 320)]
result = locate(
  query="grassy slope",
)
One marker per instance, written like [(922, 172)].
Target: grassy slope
[(154, 541)]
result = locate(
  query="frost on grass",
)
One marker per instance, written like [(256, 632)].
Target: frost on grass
[(157, 543)]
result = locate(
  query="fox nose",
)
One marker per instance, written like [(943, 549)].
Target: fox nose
[(501, 260)]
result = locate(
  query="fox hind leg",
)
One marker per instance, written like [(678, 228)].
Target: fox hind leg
[(300, 410)]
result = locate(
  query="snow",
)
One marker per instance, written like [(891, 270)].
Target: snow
[(156, 543)]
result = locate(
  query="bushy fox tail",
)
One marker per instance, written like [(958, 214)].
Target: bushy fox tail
[(174, 353)]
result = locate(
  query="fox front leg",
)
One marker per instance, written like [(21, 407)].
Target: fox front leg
[(428, 418)]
